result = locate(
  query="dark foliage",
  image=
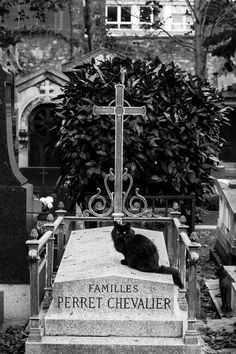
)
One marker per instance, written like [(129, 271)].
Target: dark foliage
[(12, 340), (170, 151), (220, 30)]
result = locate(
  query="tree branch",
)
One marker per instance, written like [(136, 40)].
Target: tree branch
[(177, 41), (191, 8)]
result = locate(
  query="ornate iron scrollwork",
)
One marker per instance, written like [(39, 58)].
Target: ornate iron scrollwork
[(137, 205), (97, 203)]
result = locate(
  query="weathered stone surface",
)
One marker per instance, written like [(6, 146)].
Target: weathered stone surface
[(231, 270), (226, 240), (94, 294), (97, 307), (110, 345)]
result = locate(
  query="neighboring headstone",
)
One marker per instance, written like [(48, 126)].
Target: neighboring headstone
[(15, 196), (225, 244), (233, 298), (98, 303), (231, 270), (1, 307)]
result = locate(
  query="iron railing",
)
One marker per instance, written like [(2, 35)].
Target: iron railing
[(42, 257)]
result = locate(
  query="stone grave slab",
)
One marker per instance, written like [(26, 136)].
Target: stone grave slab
[(231, 270), (15, 194), (225, 244), (95, 295)]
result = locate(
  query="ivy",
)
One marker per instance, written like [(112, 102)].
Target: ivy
[(171, 150)]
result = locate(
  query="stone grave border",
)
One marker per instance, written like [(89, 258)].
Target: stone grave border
[(42, 261)]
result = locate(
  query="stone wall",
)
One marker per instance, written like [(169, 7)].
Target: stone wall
[(51, 53), (42, 53)]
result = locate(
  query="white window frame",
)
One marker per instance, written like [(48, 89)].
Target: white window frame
[(179, 26), (59, 20), (119, 23), (141, 23)]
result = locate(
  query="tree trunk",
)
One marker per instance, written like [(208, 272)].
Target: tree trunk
[(95, 23), (77, 27), (200, 55)]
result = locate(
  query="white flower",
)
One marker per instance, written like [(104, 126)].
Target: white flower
[(49, 199), (43, 200), (47, 202), (49, 205)]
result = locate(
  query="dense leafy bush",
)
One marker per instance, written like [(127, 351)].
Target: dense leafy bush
[(170, 151)]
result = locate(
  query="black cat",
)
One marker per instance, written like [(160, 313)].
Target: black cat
[(225, 282), (140, 253)]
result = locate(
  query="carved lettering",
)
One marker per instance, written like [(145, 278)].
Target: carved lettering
[(113, 288), (115, 301), (79, 302), (122, 303)]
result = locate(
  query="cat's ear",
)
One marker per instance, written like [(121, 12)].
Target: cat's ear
[(115, 224)]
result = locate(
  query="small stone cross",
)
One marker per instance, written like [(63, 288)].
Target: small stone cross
[(119, 111), (46, 88), (43, 173)]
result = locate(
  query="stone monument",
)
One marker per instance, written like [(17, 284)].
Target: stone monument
[(16, 203), (102, 306), (226, 229)]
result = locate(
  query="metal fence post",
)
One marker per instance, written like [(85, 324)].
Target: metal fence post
[(34, 258)]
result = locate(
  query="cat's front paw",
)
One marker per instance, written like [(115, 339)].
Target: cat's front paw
[(124, 262)]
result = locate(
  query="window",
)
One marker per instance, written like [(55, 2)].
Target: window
[(41, 148), (178, 22), (59, 20), (179, 18), (118, 17), (145, 14), (112, 14), (20, 16)]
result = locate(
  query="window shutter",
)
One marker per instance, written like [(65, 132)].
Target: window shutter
[(11, 20), (66, 18)]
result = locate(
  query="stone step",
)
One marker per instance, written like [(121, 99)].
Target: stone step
[(61, 325), (110, 345), (225, 171)]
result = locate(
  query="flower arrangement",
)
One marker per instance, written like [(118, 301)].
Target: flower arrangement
[(47, 203)]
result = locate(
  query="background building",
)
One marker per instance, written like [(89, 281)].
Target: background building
[(43, 61)]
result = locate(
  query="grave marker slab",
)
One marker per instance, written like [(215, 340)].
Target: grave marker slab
[(94, 295), (225, 243), (15, 195), (101, 306)]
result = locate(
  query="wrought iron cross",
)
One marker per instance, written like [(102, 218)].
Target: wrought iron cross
[(119, 111)]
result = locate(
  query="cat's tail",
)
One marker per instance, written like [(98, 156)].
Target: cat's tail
[(175, 273)]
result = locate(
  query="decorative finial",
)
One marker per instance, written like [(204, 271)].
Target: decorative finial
[(50, 218), (60, 205), (34, 234), (182, 219), (193, 237), (33, 255), (175, 206)]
